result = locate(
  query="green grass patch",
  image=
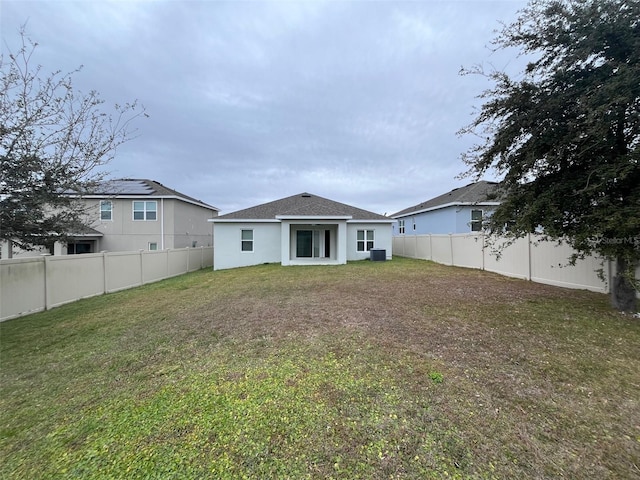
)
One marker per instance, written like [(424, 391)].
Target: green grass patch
[(298, 412)]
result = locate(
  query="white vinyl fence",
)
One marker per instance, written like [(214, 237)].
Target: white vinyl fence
[(528, 258), (34, 284)]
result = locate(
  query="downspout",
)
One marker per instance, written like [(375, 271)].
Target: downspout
[(162, 224)]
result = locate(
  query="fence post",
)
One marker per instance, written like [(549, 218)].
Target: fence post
[(47, 293), (529, 253), (483, 253), (451, 247), (141, 269), (188, 254), (431, 247), (105, 278)]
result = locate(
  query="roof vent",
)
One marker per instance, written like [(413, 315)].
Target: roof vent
[(306, 195)]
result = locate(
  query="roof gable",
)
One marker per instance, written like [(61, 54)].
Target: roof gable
[(302, 205), (129, 187), (472, 194)]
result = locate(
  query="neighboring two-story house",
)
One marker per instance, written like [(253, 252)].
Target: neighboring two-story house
[(140, 214), (135, 214), (459, 211)]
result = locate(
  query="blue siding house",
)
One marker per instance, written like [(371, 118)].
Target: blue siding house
[(459, 211)]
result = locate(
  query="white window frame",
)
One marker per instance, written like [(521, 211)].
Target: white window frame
[(246, 241), (103, 211), (401, 227), (153, 246), (146, 211), (476, 224), (366, 244)]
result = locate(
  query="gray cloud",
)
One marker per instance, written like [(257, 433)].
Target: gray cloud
[(253, 101)]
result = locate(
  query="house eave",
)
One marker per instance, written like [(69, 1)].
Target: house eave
[(314, 218), (124, 196), (447, 205), (243, 220), (85, 235), (364, 220)]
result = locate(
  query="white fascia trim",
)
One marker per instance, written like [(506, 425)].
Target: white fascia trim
[(315, 218), (243, 220), (373, 221), (146, 197), (452, 204)]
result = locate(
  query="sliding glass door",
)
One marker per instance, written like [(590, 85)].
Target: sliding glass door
[(313, 243), (304, 243)]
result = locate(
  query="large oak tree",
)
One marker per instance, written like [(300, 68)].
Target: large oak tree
[(564, 135), (53, 141)]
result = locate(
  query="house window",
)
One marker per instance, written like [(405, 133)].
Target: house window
[(476, 220), (153, 246), (413, 220), (401, 227), (247, 240), (145, 210), (106, 210), (76, 248), (365, 240)]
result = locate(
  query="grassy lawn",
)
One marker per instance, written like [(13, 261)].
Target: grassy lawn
[(399, 369)]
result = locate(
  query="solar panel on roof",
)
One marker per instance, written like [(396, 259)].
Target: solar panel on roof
[(127, 187)]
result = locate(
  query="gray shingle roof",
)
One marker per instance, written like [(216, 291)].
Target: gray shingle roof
[(141, 187), (474, 193), (303, 205)]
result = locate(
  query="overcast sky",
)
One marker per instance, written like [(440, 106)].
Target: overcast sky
[(252, 101)]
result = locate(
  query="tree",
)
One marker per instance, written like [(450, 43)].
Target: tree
[(564, 137), (53, 142)]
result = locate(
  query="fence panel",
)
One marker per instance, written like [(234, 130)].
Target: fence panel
[(72, 277), (33, 284), (178, 260), (410, 247), (155, 265), (423, 247), (22, 287), (549, 264), (511, 261), (466, 250), (123, 270), (397, 243), (527, 258), (441, 249), (195, 260)]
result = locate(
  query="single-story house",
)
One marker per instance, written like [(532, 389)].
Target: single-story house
[(303, 229), (461, 210)]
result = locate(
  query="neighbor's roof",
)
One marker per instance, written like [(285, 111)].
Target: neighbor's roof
[(82, 230), (302, 205), (478, 193), (129, 187)]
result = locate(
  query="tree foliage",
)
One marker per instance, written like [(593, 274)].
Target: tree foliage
[(53, 141), (565, 135)]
